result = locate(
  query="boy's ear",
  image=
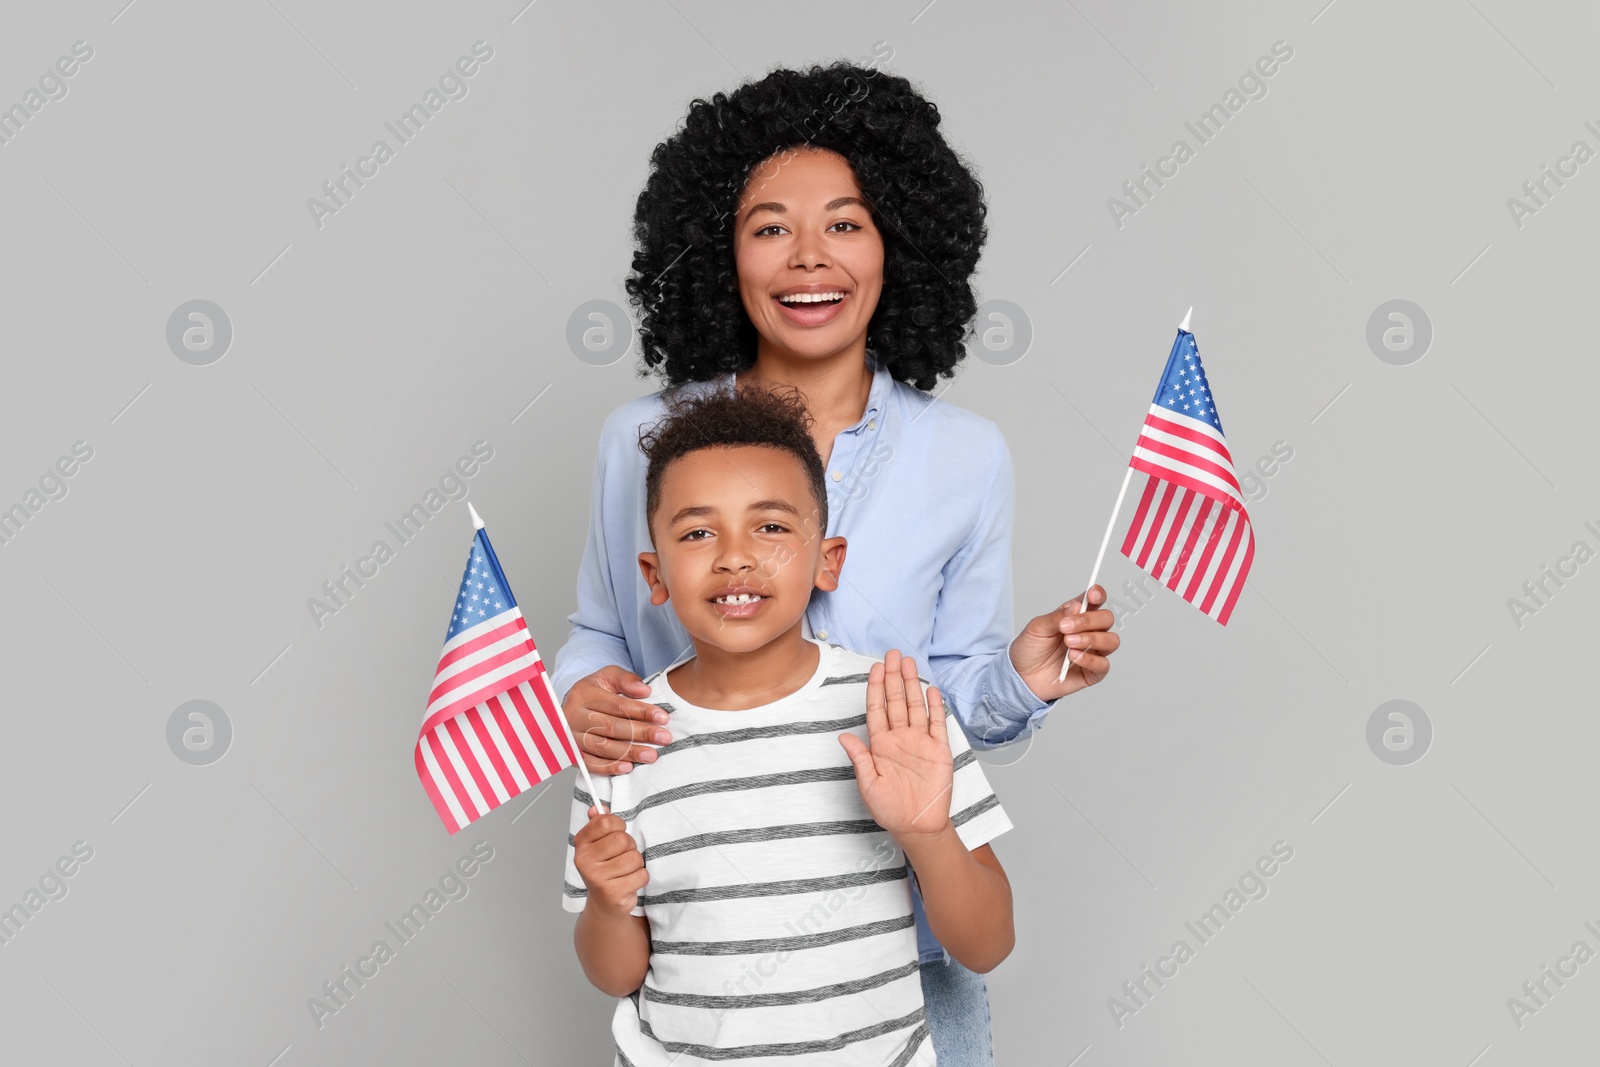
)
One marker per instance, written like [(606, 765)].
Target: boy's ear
[(830, 564), (650, 567)]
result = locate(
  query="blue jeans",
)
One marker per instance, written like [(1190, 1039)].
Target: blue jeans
[(956, 1001)]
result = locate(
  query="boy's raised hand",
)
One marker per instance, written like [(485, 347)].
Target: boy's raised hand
[(610, 863), (904, 768)]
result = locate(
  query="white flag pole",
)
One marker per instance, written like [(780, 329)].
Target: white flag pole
[(544, 680), (1094, 575)]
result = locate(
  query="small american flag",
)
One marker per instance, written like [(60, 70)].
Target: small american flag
[(493, 727), (1191, 529)]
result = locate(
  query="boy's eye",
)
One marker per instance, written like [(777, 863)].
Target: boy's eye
[(690, 536), (777, 526)]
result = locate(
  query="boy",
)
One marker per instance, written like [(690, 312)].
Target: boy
[(769, 913)]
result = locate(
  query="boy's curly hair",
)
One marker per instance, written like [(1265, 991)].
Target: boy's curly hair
[(750, 415), (925, 202)]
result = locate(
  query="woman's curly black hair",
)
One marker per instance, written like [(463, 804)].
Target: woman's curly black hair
[(747, 415), (925, 202)]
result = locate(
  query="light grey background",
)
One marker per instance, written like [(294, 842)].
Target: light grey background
[(432, 310)]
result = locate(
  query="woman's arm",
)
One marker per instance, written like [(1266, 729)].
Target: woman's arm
[(972, 653)]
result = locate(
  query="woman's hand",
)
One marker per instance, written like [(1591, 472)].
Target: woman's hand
[(903, 769), (608, 722), (1084, 639)]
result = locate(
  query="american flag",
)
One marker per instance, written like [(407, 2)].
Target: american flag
[(493, 727), (1190, 530)]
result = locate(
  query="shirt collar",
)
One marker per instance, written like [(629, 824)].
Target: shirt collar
[(877, 395)]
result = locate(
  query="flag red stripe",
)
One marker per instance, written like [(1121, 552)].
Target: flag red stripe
[(1221, 580), (535, 728), (1128, 543), (491, 748), (1164, 561), (481, 694), (497, 706), (1155, 524), (558, 722), (1238, 585), (442, 758), (1193, 459), (439, 804), (1212, 540), (471, 760), (1188, 434), (1188, 544)]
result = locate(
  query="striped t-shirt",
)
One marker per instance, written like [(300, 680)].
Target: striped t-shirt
[(780, 913)]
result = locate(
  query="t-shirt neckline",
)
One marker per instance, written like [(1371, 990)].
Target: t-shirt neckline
[(662, 692)]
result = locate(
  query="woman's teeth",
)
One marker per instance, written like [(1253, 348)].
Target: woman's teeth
[(811, 298)]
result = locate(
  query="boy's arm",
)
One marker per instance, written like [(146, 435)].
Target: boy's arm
[(613, 943), (966, 896), (922, 783)]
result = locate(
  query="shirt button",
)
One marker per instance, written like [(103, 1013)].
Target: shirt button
[(837, 476), (872, 424), (822, 634)]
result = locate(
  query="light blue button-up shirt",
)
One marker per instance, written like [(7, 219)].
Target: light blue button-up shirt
[(923, 494)]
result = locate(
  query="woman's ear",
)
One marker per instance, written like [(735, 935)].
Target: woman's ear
[(650, 567), (831, 563)]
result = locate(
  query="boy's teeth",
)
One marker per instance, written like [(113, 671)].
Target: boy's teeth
[(742, 598)]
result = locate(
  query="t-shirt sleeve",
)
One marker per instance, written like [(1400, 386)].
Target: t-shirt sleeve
[(574, 894), (974, 808)]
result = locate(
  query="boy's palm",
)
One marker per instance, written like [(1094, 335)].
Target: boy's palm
[(903, 769)]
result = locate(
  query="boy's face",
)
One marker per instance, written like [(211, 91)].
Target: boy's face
[(738, 520)]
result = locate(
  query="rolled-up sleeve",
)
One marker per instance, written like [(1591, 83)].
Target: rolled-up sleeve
[(969, 653)]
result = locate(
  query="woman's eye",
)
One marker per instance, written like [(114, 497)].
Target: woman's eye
[(769, 226), (845, 222)]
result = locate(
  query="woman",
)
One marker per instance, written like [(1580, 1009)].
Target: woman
[(813, 229)]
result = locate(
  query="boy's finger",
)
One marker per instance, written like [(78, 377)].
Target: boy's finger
[(860, 757), (916, 710), (877, 713), (894, 689), (936, 720)]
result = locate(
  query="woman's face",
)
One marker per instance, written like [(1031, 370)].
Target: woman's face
[(803, 232)]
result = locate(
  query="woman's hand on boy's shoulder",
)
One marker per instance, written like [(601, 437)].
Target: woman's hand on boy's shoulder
[(1085, 638), (610, 723)]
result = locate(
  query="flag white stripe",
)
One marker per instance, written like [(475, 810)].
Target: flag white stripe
[(1156, 565), (521, 728), (443, 785), (498, 739), (1224, 459), (467, 781), (475, 743), (1214, 564), (1226, 591)]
